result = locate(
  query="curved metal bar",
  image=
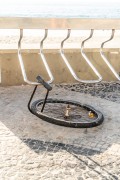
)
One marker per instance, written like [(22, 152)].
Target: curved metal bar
[(88, 61), (43, 57), (71, 69), (105, 58), (22, 64)]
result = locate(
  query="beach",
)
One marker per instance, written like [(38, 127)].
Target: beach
[(31, 39)]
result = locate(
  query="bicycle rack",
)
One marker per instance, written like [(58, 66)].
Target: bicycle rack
[(84, 56), (105, 58), (24, 72), (97, 116), (42, 57)]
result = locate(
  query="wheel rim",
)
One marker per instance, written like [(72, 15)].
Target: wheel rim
[(54, 112)]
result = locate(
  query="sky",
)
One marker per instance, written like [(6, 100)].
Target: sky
[(63, 2)]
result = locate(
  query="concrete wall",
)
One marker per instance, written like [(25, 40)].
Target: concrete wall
[(11, 72)]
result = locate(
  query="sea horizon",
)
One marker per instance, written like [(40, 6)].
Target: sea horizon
[(58, 11)]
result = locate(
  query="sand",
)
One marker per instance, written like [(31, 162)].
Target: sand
[(9, 39)]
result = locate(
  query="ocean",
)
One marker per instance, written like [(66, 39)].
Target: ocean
[(55, 11)]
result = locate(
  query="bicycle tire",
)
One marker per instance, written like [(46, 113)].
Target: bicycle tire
[(62, 122)]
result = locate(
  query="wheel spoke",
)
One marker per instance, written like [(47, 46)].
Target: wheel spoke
[(68, 113), (57, 110)]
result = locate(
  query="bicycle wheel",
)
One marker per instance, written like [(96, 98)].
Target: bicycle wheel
[(54, 112)]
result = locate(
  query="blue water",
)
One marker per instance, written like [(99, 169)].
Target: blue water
[(36, 10)]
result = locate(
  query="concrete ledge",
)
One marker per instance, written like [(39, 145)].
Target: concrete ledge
[(57, 50), (58, 23), (11, 72)]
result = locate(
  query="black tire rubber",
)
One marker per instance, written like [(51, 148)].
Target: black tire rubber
[(63, 122)]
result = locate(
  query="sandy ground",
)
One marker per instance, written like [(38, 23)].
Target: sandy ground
[(31, 39)]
